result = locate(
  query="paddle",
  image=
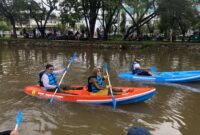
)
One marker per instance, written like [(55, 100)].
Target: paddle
[(111, 92), (154, 72), (153, 69), (18, 120), (71, 61)]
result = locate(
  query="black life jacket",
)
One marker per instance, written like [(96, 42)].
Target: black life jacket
[(91, 86), (40, 78), (89, 83)]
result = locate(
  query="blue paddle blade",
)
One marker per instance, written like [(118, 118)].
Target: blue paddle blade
[(153, 69), (73, 57), (114, 102), (19, 118), (106, 67), (52, 99)]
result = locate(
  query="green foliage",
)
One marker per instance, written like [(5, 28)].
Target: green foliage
[(176, 14), (82, 27), (12, 10), (61, 28), (141, 12), (4, 26), (41, 11), (71, 12), (138, 8), (116, 37), (110, 14)]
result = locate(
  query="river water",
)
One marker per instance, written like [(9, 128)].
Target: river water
[(173, 110)]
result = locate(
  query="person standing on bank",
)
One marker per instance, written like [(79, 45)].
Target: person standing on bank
[(48, 80), (137, 70)]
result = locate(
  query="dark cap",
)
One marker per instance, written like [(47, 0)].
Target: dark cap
[(48, 66), (138, 131)]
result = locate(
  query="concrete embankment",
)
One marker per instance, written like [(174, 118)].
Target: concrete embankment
[(103, 44)]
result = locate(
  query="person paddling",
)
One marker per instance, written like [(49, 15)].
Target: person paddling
[(137, 70), (96, 83), (48, 79)]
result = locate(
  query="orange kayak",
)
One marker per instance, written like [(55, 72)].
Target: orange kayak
[(82, 95)]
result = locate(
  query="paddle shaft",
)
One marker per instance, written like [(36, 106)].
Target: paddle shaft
[(111, 91), (18, 120), (51, 100), (16, 127), (60, 81)]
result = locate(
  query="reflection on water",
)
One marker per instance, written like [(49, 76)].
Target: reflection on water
[(173, 110)]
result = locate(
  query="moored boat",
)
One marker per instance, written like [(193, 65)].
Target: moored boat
[(82, 95)]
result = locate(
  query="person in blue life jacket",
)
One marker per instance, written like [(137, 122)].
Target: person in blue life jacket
[(96, 83), (48, 80), (137, 70), (9, 132)]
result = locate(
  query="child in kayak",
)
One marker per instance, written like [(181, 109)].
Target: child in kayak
[(137, 70), (96, 83)]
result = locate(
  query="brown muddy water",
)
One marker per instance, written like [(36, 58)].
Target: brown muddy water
[(173, 110)]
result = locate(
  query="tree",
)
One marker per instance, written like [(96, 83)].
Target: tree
[(23, 19), (90, 12), (110, 10), (140, 12), (4, 26), (11, 10), (176, 14), (61, 28), (71, 12), (41, 11)]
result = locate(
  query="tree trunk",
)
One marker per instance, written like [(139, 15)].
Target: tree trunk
[(138, 25), (42, 32), (105, 35), (170, 35), (128, 32), (92, 26), (183, 38), (12, 21), (138, 33), (14, 31), (92, 22)]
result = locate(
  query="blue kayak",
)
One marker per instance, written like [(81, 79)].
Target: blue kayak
[(173, 77)]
